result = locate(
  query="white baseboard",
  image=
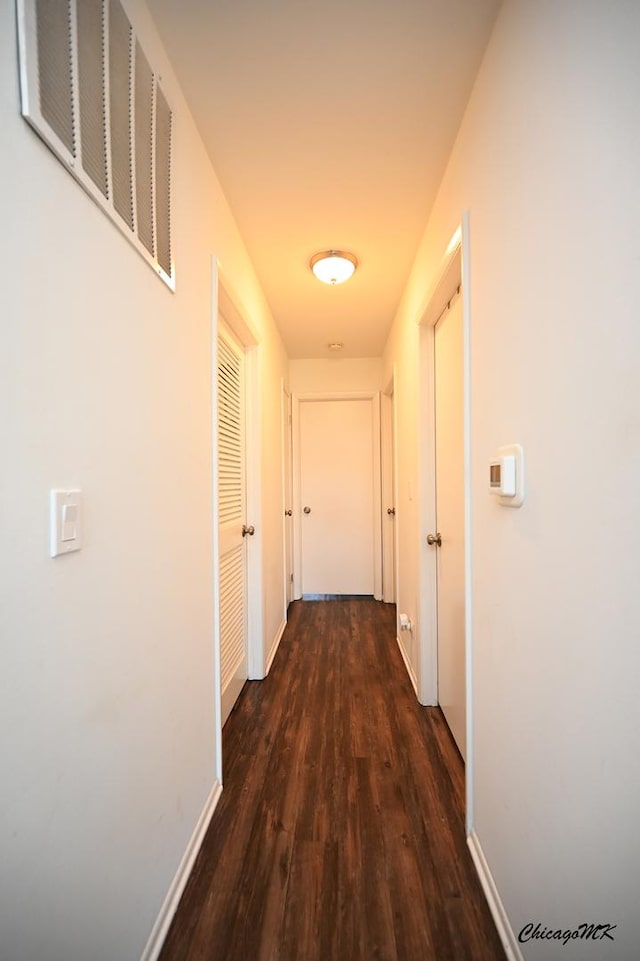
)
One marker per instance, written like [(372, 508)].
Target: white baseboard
[(494, 900), (275, 646), (168, 909), (407, 664)]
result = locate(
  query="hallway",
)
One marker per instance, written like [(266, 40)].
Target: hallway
[(340, 831)]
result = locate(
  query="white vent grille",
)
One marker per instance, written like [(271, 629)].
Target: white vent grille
[(90, 92), (230, 479)]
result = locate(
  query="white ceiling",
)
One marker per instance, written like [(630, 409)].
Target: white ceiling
[(329, 126)]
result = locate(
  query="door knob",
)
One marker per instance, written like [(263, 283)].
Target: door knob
[(288, 513), (434, 539), (248, 530), (307, 510), (391, 511)]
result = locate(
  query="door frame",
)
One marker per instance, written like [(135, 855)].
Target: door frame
[(297, 399), (453, 272)]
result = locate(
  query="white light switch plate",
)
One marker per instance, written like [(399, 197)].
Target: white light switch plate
[(66, 522)]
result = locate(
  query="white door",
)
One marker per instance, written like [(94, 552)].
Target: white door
[(337, 465), (388, 501), (449, 405), (231, 519)]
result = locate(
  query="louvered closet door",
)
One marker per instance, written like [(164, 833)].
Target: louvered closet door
[(231, 516)]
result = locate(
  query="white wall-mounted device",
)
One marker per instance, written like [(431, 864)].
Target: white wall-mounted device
[(506, 475), (66, 522)]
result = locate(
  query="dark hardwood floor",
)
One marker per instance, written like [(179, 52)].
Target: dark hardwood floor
[(340, 832)]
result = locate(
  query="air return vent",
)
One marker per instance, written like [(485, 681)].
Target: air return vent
[(90, 92)]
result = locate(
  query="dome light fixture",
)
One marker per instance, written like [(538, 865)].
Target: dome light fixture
[(333, 266)]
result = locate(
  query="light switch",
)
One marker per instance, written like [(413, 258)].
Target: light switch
[(69, 522), (66, 522)]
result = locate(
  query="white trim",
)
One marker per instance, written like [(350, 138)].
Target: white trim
[(297, 399), (408, 665), (338, 395), (167, 911), (217, 666), (377, 501), (274, 647), (234, 313), (468, 567), (494, 900)]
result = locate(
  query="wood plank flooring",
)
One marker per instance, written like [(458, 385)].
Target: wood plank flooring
[(340, 832)]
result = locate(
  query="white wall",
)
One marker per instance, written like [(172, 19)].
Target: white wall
[(335, 374), (107, 739), (546, 163)]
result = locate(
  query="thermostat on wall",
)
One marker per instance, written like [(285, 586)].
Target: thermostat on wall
[(506, 475)]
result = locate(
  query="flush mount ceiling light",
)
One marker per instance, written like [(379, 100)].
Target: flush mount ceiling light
[(333, 266)]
